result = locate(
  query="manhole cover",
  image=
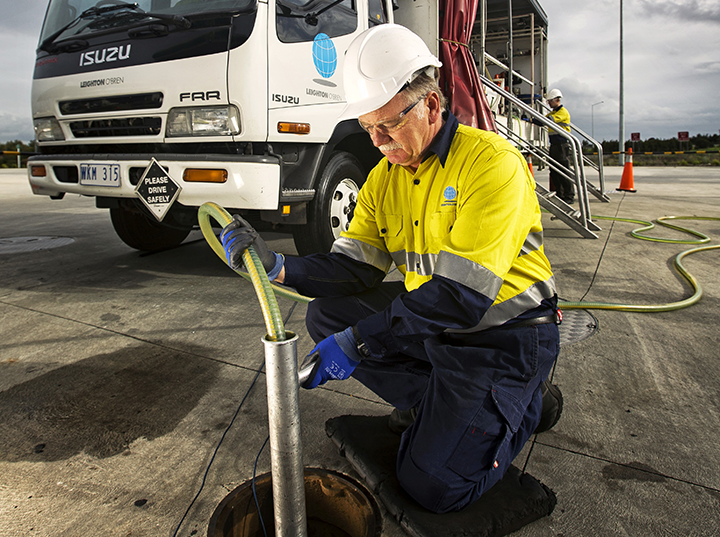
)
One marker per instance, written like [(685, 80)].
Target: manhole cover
[(576, 325), (19, 245)]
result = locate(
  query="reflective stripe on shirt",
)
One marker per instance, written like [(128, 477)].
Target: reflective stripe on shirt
[(361, 251), (561, 117), (499, 314)]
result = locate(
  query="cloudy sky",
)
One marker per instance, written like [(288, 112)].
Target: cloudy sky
[(672, 65)]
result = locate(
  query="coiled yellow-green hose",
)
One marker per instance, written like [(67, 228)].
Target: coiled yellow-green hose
[(255, 271), (637, 233), (266, 290)]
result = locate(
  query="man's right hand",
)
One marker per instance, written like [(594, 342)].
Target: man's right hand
[(336, 357), (237, 236)]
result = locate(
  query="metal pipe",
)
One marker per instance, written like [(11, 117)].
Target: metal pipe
[(592, 116), (506, 68), (283, 388), (511, 67), (599, 148), (283, 396), (304, 373), (483, 25), (532, 59), (389, 11), (621, 141)]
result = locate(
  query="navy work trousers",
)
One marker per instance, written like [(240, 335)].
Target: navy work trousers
[(559, 151), (478, 397)]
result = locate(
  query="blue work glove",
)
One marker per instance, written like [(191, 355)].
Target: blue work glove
[(237, 236), (338, 358)]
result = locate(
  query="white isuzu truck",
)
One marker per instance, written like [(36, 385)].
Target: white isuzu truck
[(158, 106)]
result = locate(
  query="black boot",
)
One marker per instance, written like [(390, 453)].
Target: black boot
[(552, 405), (400, 420)]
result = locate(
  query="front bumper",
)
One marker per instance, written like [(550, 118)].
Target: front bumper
[(253, 180)]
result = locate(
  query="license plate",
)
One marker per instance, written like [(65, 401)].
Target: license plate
[(100, 174)]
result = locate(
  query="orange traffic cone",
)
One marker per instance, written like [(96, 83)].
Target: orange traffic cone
[(529, 161), (626, 183)]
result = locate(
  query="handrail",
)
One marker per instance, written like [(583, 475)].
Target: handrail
[(506, 69), (539, 153), (577, 165)]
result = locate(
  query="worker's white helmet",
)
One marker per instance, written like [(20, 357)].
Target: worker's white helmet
[(554, 94), (378, 63)]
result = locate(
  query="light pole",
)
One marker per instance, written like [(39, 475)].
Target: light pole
[(621, 137), (592, 117)]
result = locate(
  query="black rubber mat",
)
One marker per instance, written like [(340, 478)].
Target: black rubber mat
[(515, 501)]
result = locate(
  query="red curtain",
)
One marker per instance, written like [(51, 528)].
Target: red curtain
[(458, 75)]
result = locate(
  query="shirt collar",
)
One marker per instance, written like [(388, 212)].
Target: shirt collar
[(443, 139)]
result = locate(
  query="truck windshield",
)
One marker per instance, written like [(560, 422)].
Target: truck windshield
[(302, 20), (67, 18)]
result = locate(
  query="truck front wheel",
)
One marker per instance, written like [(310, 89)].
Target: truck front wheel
[(332, 209), (143, 232)]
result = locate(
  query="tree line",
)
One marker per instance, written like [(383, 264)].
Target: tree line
[(657, 145), (10, 161), (651, 145)]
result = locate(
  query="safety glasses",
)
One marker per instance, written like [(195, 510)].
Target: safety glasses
[(391, 125)]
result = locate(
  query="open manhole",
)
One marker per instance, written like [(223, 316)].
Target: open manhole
[(576, 325), (337, 506), (19, 245)]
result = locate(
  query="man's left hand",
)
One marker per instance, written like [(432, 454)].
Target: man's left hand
[(237, 236), (338, 359)]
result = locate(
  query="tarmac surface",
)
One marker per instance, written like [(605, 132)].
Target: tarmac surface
[(121, 373)]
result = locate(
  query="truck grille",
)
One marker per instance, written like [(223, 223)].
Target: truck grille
[(113, 103), (133, 126)]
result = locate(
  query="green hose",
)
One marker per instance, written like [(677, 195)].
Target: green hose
[(637, 233), (273, 320), (256, 272), (649, 225)]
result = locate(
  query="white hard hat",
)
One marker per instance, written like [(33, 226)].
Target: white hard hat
[(378, 63), (553, 94)]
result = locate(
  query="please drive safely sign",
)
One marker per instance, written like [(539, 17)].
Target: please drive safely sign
[(157, 190)]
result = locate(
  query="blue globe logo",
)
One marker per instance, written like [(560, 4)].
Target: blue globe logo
[(324, 55), (450, 193)]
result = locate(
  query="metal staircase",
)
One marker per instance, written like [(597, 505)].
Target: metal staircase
[(580, 219)]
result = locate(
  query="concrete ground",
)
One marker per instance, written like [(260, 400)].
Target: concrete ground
[(121, 372)]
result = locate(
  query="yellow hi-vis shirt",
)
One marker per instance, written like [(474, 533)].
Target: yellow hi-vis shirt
[(560, 116), (475, 221)]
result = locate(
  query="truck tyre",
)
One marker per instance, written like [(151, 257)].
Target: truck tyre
[(143, 232), (332, 209)]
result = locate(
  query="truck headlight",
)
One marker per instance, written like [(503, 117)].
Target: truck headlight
[(203, 121), (47, 129)]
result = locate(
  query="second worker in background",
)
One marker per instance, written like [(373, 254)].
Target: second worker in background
[(559, 146)]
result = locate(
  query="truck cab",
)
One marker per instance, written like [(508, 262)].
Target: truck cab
[(234, 101)]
